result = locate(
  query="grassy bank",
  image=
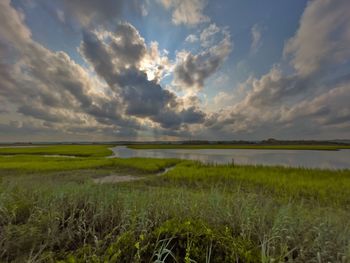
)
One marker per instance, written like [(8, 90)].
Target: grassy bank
[(232, 146), (51, 211), (68, 150), (30, 164)]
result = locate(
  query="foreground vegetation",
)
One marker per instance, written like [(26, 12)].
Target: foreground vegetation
[(238, 146), (52, 211)]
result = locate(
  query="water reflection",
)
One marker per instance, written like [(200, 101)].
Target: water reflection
[(292, 158)]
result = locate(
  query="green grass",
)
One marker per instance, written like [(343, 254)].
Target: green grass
[(69, 150), (231, 146), (30, 164), (51, 211), (321, 186)]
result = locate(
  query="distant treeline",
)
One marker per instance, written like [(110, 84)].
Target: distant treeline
[(270, 141), (243, 142)]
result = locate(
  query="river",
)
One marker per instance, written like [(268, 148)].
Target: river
[(290, 158)]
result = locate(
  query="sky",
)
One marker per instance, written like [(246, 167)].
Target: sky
[(102, 70)]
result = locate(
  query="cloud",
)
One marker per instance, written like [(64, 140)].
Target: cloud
[(274, 88), (12, 28), (141, 7), (49, 87), (60, 15), (187, 12), (222, 99), (191, 38), (207, 37), (323, 37), (191, 71), (256, 33), (94, 13), (156, 63), (122, 94), (264, 102), (140, 97), (329, 108), (144, 98), (305, 102), (88, 12), (125, 49), (55, 93)]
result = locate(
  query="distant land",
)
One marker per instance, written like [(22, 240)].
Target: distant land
[(270, 141)]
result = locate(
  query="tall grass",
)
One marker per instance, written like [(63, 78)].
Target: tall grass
[(85, 222), (51, 211), (325, 186)]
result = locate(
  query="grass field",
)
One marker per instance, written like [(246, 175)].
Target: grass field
[(232, 146), (52, 211), (68, 150), (27, 163)]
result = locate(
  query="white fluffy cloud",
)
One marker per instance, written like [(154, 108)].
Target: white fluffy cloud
[(188, 12), (323, 38), (12, 28), (208, 35), (191, 38)]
